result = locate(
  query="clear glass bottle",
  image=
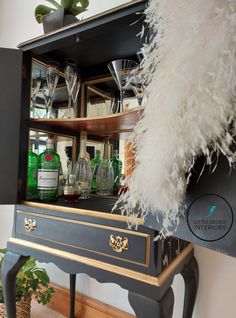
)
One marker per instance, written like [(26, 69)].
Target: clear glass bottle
[(117, 167), (94, 164), (48, 173), (62, 182), (82, 169), (105, 173), (71, 190), (32, 174)]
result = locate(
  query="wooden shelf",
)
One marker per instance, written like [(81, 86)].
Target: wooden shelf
[(101, 126)]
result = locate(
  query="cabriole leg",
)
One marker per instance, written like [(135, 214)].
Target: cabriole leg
[(190, 275), (145, 307), (12, 263)]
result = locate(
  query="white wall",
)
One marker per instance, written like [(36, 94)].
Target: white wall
[(217, 288)]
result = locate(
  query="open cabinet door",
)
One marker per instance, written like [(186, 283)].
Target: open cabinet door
[(14, 96)]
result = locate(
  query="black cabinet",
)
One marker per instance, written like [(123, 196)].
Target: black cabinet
[(85, 237)]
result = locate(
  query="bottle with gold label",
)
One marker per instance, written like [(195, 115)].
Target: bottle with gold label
[(48, 173)]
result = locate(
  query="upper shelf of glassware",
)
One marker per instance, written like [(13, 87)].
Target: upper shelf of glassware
[(120, 123), (95, 40)]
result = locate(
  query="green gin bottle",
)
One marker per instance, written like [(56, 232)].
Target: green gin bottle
[(48, 173), (32, 174), (117, 167), (94, 164)]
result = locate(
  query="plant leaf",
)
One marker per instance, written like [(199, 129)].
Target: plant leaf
[(84, 3), (42, 275), (76, 10), (41, 11), (67, 4), (29, 265), (3, 250), (53, 2)]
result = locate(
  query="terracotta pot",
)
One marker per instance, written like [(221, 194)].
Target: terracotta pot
[(57, 19), (22, 309)]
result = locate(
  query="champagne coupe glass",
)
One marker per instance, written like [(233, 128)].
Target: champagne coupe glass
[(52, 77), (120, 71), (71, 77), (35, 86)]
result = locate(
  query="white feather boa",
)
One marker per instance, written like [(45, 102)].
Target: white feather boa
[(190, 100)]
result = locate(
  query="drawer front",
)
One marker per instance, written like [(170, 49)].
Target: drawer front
[(97, 239)]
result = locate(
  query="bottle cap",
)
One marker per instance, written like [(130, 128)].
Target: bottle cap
[(30, 145), (72, 179), (50, 143), (116, 153)]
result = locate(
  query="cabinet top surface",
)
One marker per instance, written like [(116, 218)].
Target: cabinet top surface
[(89, 24)]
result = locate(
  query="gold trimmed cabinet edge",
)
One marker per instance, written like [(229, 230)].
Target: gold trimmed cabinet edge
[(144, 278)]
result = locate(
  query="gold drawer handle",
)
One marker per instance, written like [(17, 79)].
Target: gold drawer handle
[(30, 225), (118, 243)]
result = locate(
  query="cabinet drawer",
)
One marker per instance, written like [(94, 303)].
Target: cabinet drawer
[(96, 239)]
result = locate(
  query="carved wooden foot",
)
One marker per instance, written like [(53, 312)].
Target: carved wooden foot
[(10, 267), (150, 308), (72, 295), (190, 275)]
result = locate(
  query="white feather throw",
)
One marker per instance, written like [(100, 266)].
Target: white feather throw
[(190, 100)]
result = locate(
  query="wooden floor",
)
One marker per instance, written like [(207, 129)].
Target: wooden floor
[(39, 311)]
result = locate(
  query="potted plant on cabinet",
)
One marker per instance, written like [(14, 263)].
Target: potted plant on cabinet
[(31, 281), (59, 14)]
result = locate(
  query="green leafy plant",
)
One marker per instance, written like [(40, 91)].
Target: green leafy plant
[(74, 7), (30, 281)]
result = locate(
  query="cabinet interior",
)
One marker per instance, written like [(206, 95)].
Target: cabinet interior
[(93, 43)]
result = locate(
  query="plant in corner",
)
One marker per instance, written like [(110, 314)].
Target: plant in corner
[(31, 281), (60, 14)]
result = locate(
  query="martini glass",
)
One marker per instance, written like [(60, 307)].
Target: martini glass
[(137, 85), (120, 71)]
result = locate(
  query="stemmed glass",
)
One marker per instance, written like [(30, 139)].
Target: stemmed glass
[(35, 86), (73, 81), (49, 86), (137, 85), (120, 70)]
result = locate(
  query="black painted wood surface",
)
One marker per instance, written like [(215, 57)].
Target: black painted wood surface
[(12, 116), (147, 307), (90, 236), (221, 183)]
